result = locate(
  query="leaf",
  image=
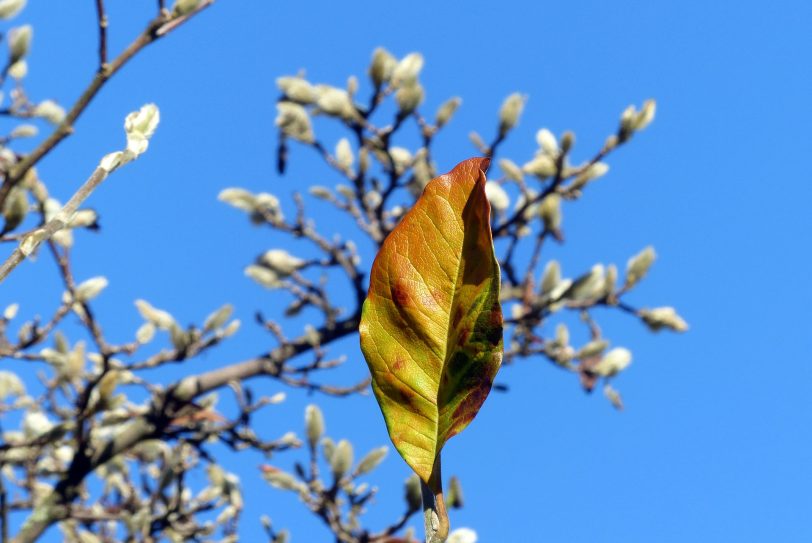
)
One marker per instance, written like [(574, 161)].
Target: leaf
[(431, 326)]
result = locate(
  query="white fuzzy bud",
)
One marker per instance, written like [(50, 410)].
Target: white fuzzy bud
[(497, 196), (663, 317), (542, 166), (161, 319), (314, 425), (638, 265), (407, 70), (140, 126), (510, 112), (19, 42), (547, 142), (409, 97), (447, 110), (50, 111), (383, 63), (10, 8), (511, 170), (87, 290), (282, 262), (344, 155), (297, 89), (613, 362), (294, 121)]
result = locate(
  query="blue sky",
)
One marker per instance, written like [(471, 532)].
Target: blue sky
[(714, 444)]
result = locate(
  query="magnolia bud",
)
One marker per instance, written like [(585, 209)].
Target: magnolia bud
[(218, 318), (335, 102), (297, 89), (328, 449), (140, 126), (462, 535), (383, 63), (183, 7), (372, 460), (145, 333), (89, 289), (409, 97), (446, 110), (407, 70), (547, 142), (262, 275), (663, 317), (510, 111), (19, 40), (594, 347), (593, 171), (610, 280), (11, 311), (413, 493), (282, 262), (50, 111), (294, 122), (550, 212), (511, 170), (551, 277), (18, 70), (24, 131), (10, 385), (10, 8), (497, 196), (638, 265), (562, 335), (344, 155), (454, 497), (341, 461), (645, 116), (542, 166), (161, 319), (588, 286), (613, 362), (567, 141), (314, 425), (15, 209)]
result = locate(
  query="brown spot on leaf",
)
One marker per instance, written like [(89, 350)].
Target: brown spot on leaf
[(399, 363), (400, 295)]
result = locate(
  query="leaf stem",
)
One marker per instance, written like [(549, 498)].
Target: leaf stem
[(435, 515)]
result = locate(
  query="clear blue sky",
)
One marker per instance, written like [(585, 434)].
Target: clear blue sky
[(714, 444)]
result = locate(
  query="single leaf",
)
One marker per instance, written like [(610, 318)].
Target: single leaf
[(431, 327)]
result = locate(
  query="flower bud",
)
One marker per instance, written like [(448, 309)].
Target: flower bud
[(446, 110), (11, 311), (145, 333), (24, 131), (294, 121), (262, 275), (592, 172), (161, 319), (335, 102), (183, 7), (19, 42), (314, 425), (297, 89), (510, 112), (89, 289), (550, 212), (454, 497), (613, 362), (413, 493), (511, 170), (409, 97), (344, 156), (462, 535), (638, 265), (663, 317), (15, 209), (50, 111), (282, 262), (594, 347), (542, 166), (383, 63), (218, 318), (551, 277), (18, 70), (341, 461), (567, 141), (372, 460), (497, 196), (645, 116), (547, 142), (140, 126), (10, 8), (407, 70), (587, 287)]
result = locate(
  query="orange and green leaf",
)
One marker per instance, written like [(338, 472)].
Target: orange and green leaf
[(431, 328)]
